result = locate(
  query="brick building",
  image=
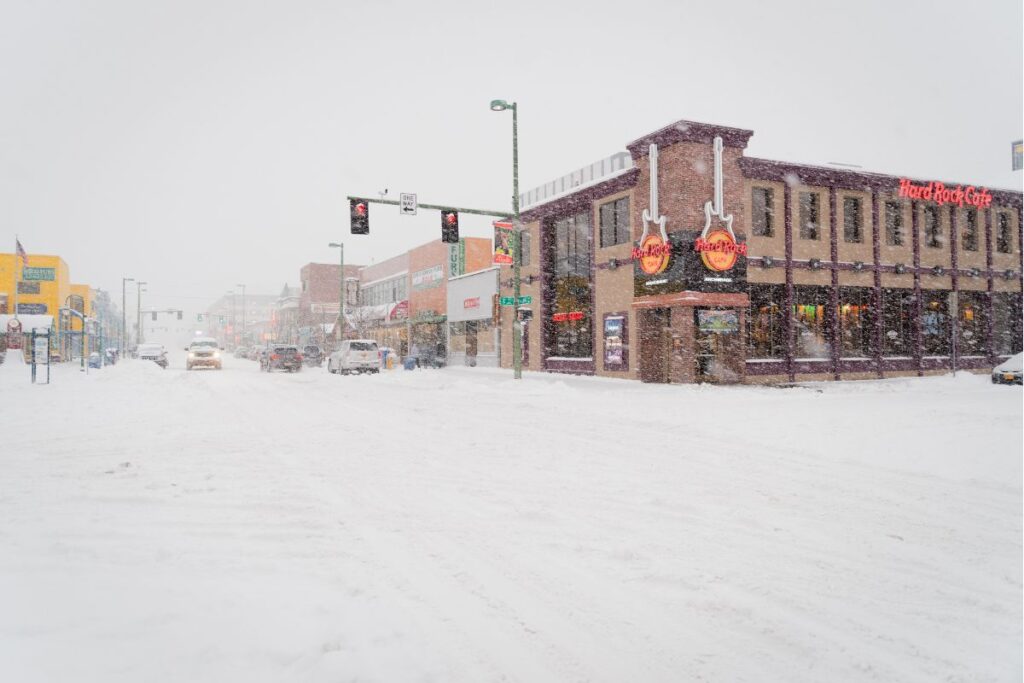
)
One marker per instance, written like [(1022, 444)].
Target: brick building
[(729, 268), (319, 294)]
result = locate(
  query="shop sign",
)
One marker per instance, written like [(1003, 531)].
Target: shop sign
[(614, 331), (28, 288), (48, 274), (937, 192), (717, 322), (400, 311), (457, 258), (502, 242), (32, 309), (653, 254), (428, 278), (473, 302), (571, 316), (718, 248)]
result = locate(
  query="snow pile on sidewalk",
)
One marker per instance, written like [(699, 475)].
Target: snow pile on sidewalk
[(459, 526)]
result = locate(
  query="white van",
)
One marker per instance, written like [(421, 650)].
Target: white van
[(355, 355)]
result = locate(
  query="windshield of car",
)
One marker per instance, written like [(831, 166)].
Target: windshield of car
[(151, 348), (362, 346), (199, 343)]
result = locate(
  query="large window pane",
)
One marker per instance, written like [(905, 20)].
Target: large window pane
[(898, 323), (811, 322), (1007, 323), (570, 332), (970, 231), (856, 322), (935, 324), (973, 321), (932, 228), (766, 336), (1004, 240)]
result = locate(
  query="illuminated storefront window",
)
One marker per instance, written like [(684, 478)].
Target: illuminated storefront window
[(935, 323), (973, 322), (811, 322), (570, 329), (856, 322)]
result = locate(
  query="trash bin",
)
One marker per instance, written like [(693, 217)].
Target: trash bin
[(409, 363)]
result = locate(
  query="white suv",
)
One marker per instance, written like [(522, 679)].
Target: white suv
[(203, 352), (355, 355)]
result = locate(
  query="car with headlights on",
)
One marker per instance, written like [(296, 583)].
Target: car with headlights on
[(203, 352)]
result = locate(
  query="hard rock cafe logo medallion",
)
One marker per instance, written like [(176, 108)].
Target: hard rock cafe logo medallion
[(653, 254)]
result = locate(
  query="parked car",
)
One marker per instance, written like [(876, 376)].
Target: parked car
[(203, 352), (355, 355), (154, 352), (1009, 371), (94, 360), (313, 355), (241, 352), (281, 357)]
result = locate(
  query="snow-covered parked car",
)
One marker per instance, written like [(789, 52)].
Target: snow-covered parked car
[(355, 355), (1009, 371), (154, 352)]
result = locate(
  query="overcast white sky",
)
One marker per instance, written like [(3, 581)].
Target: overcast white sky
[(197, 145)]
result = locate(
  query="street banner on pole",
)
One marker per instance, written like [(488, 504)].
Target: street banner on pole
[(1018, 155), (503, 242)]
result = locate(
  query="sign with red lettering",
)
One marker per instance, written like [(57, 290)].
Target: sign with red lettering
[(719, 250), (939, 193), (571, 316), (653, 254), (471, 303)]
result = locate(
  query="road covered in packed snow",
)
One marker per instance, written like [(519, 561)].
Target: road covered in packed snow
[(456, 525)]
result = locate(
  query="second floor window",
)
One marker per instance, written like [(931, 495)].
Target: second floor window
[(810, 227), (763, 212), (893, 224), (615, 222), (970, 235), (1004, 241), (932, 229), (852, 223)]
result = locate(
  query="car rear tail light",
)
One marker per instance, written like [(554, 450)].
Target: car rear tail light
[(274, 356), (298, 356)]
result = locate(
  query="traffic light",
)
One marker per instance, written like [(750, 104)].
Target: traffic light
[(359, 212), (199, 318), (154, 315), (450, 227), (179, 315)]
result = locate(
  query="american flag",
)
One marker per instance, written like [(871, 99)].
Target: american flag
[(21, 253)]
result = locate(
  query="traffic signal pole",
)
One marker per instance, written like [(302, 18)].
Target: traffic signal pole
[(439, 207)]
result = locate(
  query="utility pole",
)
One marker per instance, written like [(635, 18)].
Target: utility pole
[(243, 311), (138, 313), (124, 315), (517, 326), (340, 246)]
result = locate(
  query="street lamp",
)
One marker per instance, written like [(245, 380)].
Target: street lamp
[(517, 329), (124, 314), (243, 311), (138, 313), (340, 246)]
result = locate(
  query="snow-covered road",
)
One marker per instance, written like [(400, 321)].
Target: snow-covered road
[(458, 526)]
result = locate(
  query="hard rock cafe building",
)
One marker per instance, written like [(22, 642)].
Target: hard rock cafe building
[(687, 261)]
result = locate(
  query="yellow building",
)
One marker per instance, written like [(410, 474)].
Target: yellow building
[(44, 288), (45, 285)]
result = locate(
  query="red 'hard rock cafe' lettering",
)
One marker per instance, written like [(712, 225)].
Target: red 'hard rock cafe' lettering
[(663, 249), (940, 194), (724, 247)]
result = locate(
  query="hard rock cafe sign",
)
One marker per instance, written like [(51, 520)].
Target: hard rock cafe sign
[(718, 247), (708, 260), (654, 251)]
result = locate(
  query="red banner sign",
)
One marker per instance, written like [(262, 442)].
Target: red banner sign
[(571, 316), (471, 303), (937, 192)]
